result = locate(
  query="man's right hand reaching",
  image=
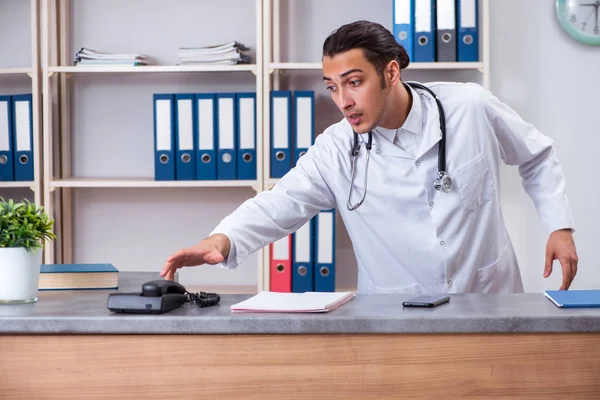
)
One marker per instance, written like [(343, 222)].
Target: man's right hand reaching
[(212, 250)]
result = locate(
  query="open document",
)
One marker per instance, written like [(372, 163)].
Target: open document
[(307, 302)]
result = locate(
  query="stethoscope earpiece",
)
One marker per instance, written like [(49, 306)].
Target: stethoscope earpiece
[(443, 182)]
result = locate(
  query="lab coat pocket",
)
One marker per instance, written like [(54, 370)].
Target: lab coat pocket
[(495, 278), (474, 183)]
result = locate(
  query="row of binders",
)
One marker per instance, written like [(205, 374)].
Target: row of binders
[(16, 138), (205, 136), (212, 136), (438, 30), (292, 128), (304, 261)]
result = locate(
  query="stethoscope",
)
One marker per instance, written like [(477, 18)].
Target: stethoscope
[(443, 182)]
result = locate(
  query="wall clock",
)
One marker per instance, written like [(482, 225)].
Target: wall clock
[(580, 19)]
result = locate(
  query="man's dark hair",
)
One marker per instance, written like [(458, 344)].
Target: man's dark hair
[(377, 43)]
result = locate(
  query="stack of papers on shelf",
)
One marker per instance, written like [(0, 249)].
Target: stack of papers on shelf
[(308, 302), (92, 57), (226, 53), (574, 298)]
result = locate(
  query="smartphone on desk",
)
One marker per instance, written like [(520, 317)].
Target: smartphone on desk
[(428, 300)]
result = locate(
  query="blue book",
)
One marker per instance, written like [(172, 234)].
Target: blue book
[(78, 277), (574, 298)]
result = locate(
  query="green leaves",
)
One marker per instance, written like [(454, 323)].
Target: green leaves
[(24, 224)]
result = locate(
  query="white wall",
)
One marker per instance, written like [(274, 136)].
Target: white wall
[(536, 68), (553, 82), (15, 34)]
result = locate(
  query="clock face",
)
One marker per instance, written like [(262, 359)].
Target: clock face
[(580, 19)]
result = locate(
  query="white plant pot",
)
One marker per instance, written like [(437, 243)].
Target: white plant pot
[(19, 274)]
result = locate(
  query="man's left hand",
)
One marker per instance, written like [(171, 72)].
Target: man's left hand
[(561, 247)]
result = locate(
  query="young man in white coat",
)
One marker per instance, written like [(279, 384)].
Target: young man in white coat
[(409, 235)]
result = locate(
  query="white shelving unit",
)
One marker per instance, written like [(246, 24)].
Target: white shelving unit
[(57, 69), (274, 67), (34, 74)]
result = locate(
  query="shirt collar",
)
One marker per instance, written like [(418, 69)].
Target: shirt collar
[(413, 122)]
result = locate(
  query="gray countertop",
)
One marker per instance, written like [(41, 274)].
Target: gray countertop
[(85, 312)]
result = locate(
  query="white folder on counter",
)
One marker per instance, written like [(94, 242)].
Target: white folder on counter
[(307, 302)]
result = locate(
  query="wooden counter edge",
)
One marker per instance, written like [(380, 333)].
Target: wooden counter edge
[(300, 366)]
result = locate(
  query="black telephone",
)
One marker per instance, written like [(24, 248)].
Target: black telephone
[(157, 297)]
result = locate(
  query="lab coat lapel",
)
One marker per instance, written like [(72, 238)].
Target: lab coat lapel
[(386, 148), (432, 132), (383, 146)]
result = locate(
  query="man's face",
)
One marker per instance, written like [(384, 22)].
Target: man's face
[(356, 89)]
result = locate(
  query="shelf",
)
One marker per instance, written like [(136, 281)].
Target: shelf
[(415, 65), (142, 183), (15, 71), (154, 68), (18, 184)]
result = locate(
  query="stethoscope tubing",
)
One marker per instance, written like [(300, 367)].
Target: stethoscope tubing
[(443, 182)]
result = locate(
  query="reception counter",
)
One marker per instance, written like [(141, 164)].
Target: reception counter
[(69, 346)]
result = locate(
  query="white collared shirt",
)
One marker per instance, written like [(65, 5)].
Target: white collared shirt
[(408, 136), (407, 236)]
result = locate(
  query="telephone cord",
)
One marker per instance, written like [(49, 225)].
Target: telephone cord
[(203, 299)]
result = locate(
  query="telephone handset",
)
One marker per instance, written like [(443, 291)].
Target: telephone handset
[(157, 297), (161, 287)]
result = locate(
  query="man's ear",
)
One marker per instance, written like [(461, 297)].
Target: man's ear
[(392, 72)]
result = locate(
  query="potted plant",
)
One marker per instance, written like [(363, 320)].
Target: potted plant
[(24, 226)]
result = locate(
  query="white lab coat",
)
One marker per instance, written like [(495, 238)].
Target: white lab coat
[(408, 237)]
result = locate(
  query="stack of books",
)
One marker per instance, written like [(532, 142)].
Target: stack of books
[(87, 56), (227, 53)]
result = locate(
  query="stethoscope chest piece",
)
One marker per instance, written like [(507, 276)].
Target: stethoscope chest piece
[(444, 183)]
